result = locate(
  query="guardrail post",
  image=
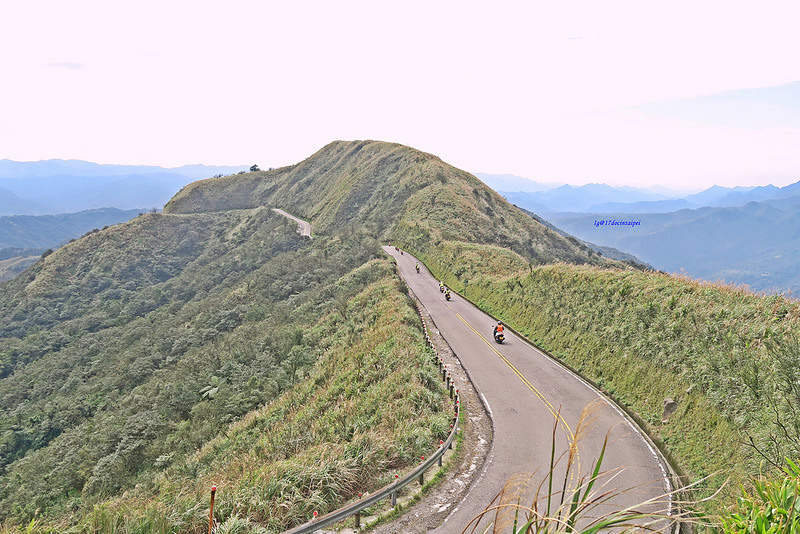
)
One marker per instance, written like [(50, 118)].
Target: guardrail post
[(211, 509), (422, 475), (358, 514), (394, 493), (440, 456)]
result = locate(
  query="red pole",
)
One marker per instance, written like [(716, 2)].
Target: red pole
[(211, 509)]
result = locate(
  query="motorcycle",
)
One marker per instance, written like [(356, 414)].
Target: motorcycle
[(417, 268), (499, 337), (447, 295)]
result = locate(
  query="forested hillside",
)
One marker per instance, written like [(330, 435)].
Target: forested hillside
[(125, 352)]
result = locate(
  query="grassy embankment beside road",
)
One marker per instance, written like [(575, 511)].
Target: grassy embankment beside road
[(371, 407)]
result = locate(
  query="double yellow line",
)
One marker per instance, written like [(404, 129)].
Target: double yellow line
[(524, 380)]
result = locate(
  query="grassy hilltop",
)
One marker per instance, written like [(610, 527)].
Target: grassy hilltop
[(389, 189), (212, 344)]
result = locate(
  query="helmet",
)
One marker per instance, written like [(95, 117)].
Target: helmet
[(500, 323)]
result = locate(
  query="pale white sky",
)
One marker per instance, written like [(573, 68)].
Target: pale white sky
[(622, 92)]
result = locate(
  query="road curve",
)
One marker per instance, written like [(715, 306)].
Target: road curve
[(303, 227), (523, 390)]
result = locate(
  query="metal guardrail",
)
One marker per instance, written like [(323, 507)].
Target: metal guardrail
[(390, 490)]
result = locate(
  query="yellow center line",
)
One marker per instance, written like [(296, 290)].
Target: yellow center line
[(524, 380)]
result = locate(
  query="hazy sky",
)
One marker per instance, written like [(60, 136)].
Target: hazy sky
[(681, 93)]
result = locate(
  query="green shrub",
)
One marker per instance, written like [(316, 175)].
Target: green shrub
[(771, 505)]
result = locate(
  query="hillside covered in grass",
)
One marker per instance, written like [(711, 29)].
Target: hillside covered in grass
[(391, 190), (126, 352)]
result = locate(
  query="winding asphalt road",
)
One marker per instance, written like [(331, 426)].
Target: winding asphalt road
[(525, 391), (303, 227)]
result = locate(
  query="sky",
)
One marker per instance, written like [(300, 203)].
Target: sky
[(685, 94)]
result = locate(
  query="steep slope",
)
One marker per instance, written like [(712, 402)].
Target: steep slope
[(123, 353), (396, 191), (144, 361)]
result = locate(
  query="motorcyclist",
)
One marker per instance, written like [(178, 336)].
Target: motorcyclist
[(447, 294), (498, 328), (417, 266)]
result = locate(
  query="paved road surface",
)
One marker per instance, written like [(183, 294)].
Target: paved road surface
[(303, 227), (524, 391)]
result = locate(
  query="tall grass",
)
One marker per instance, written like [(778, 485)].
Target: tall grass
[(372, 405), (565, 500)]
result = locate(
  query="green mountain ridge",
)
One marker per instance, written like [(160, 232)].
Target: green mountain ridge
[(390, 189)]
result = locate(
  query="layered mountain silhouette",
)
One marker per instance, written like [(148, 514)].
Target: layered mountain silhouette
[(737, 235), (53, 187)]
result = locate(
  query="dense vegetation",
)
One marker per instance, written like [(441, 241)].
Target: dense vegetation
[(126, 351), (642, 336), (391, 190), (23, 238)]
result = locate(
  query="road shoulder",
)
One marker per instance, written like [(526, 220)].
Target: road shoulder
[(466, 466)]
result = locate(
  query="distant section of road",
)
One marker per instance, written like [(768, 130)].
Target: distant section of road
[(526, 392), (303, 227)]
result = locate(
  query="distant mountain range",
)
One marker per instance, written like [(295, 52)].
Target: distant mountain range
[(739, 235), (66, 186), (44, 204)]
